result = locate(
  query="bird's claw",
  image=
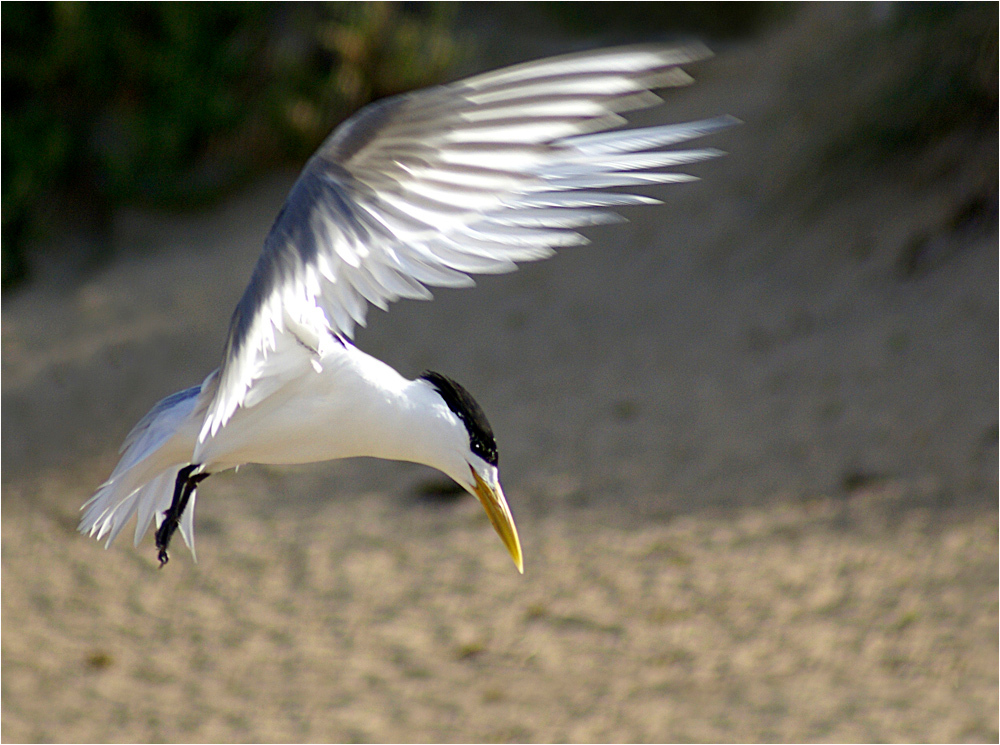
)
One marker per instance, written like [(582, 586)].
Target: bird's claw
[(163, 535)]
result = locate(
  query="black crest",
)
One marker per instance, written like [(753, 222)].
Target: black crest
[(464, 406)]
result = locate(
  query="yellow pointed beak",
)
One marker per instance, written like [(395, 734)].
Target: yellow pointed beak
[(492, 499)]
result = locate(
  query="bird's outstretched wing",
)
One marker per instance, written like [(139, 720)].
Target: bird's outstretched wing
[(426, 188)]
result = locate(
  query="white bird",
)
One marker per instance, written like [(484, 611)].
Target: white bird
[(422, 189)]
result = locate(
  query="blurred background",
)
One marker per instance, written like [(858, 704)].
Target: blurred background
[(750, 437)]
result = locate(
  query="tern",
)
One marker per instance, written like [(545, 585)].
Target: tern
[(419, 190)]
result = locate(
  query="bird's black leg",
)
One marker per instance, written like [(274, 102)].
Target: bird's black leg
[(183, 487)]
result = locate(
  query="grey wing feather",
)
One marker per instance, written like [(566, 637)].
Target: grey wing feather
[(426, 188)]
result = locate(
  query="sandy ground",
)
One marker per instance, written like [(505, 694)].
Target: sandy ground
[(754, 468)]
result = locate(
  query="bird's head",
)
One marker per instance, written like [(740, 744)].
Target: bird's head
[(474, 463)]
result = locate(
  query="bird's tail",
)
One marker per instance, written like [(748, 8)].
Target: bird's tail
[(143, 481)]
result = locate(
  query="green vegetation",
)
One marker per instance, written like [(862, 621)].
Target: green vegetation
[(944, 58), (173, 103)]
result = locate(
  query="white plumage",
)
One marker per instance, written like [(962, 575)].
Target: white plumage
[(412, 192)]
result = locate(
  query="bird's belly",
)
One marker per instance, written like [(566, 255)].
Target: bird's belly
[(289, 429), (281, 440)]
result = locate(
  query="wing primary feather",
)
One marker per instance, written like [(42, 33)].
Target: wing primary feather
[(573, 200), (556, 218), (625, 60), (632, 161), (628, 141)]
